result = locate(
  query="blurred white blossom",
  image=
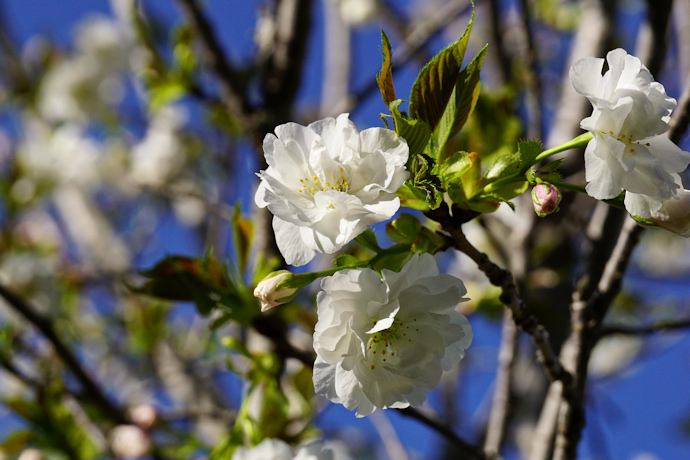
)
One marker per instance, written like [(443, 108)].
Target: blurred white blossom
[(327, 182), (89, 82), (275, 449), (357, 12), (60, 156), (159, 155), (630, 150), (384, 342), (129, 441)]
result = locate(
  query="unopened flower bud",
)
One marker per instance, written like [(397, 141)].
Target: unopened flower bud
[(274, 290), (546, 198)]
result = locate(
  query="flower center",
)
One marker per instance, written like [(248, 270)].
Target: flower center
[(383, 346), (311, 185), (622, 137)]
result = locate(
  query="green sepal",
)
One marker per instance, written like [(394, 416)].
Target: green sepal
[(643, 221)]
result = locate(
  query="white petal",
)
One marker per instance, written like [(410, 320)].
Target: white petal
[(601, 184), (290, 243), (585, 76)]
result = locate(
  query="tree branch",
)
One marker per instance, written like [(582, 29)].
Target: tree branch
[(232, 93), (668, 325), (509, 295), (91, 388), (467, 450), (587, 315)]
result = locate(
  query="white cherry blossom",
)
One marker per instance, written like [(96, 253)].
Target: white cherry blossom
[(276, 449), (630, 150), (326, 182), (384, 342)]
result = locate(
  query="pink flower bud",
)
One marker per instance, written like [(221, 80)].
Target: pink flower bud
[(546, 198)]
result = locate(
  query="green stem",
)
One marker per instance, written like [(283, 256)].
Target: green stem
[(579, 142)]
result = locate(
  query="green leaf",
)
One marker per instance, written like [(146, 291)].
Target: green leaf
[(243, 231), (454, 168), (345, 260), (385, 76), (551, 166), (528, 151), (436, 81), (392, 261), (505, 164), (411, 197), (462, 101), (404, 229), (426, 181), (415, 132), (165, 91), (368, 239), (200, 280)]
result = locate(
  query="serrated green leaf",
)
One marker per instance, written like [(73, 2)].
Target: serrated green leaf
[(462, 101), (531, 175), (385, 76), (424, 180), (454, 168), (415, 132), (528, 151), (436, 81), (505, 164), (551, 177), (551, 166)]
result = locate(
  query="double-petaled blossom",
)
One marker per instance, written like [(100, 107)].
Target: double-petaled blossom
[(326, 182), (385, 341), (630, 150)]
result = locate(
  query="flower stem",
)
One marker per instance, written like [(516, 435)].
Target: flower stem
[(579, 142)]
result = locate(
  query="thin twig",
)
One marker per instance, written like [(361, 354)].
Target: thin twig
[(91, 388), (648, 329), (232, 93), (509, 296), (587, 317), (467, 450), (500, 405)]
